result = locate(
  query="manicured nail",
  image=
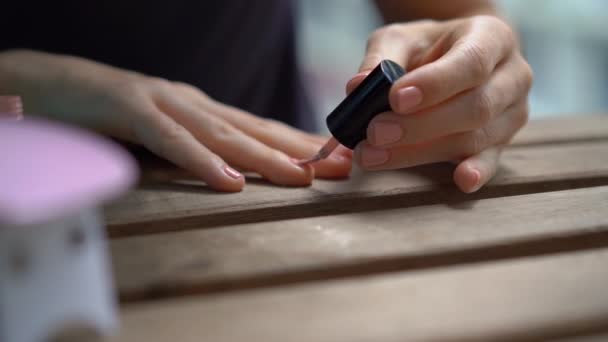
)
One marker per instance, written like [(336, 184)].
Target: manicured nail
[(408, 98), (385, 132), (11, 107), (373, 156), (298, 162), (232, 172), (475, 179)]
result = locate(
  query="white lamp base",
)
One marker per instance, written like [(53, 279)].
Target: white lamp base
[(55, 275)]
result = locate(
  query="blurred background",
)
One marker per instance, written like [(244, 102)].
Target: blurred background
[(565, 41)]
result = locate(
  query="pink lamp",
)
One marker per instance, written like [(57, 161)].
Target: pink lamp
[(54, 267)]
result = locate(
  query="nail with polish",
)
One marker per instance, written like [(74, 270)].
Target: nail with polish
[(408, 98), (385, 132), (371, 156), (300, 163), (475, 179), (232, 172)]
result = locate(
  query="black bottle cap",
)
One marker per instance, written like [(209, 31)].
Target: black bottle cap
[(348, 122)]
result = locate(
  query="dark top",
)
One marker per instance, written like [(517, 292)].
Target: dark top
[(240, 52)]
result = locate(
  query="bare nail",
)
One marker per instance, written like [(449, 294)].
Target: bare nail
[(386, 132), (373, 156), (408, 98)]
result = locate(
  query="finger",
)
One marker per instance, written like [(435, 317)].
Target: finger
[(285, 139), (390, 42), (293, 142), (356, 80), (474, 172), (470, 110), (236, 147), (451, 147), (468, 63), (166, 138)]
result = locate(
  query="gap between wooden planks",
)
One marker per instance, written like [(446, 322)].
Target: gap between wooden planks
[(311, 249), (517, 299), (169, 207), (576, 128)]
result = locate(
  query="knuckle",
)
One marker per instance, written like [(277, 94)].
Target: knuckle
[(221, 134), (479, 65), (528, 77), (476, 142), (522, 116), (482, 108), (388, 31), (170, 133), (426, 23), (189, 88), (130, 86), (493, 22), (503, 31), (391, 33), (269, 124), (159, 83)]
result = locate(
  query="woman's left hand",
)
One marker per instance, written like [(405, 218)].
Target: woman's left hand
[(464, 97)]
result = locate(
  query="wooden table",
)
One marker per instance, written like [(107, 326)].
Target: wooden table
[(387, 256)]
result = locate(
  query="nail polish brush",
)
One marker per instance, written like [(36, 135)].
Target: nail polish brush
[(348, 122)]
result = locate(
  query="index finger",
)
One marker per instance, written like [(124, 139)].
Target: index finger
[(471, 59)]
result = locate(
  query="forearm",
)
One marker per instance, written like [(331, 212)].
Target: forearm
[(45, 81), (405, 10)]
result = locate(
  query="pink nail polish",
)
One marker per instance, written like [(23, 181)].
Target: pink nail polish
[(296, 161), (408, 98), (373, 156), (385, 132), (476, 179), (232, 172), (11, 107)]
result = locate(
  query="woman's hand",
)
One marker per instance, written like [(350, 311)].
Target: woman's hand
[(463, 98), (174, 120)]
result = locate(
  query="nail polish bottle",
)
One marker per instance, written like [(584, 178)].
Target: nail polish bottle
[(348, 122)]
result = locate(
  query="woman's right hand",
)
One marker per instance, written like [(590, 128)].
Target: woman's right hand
[(174, 120)]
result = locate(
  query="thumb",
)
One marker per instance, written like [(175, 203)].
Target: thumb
[(474, 172)]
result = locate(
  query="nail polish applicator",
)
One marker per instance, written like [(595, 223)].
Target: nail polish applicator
[(348, 122)]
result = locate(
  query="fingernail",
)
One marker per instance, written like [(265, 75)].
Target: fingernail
[(358, 77), (385, 132), (232, 172), (297, 162), (373, 156), (476, 179), (408, 98)]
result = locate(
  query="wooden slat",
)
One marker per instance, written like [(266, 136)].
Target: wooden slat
[(563, 130), (589, 338), (529, 298), (281, 252), (166, 207)]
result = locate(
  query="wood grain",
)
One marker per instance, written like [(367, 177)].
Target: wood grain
[(563, 130), (175, 206), (521, 299), (310, 249)]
